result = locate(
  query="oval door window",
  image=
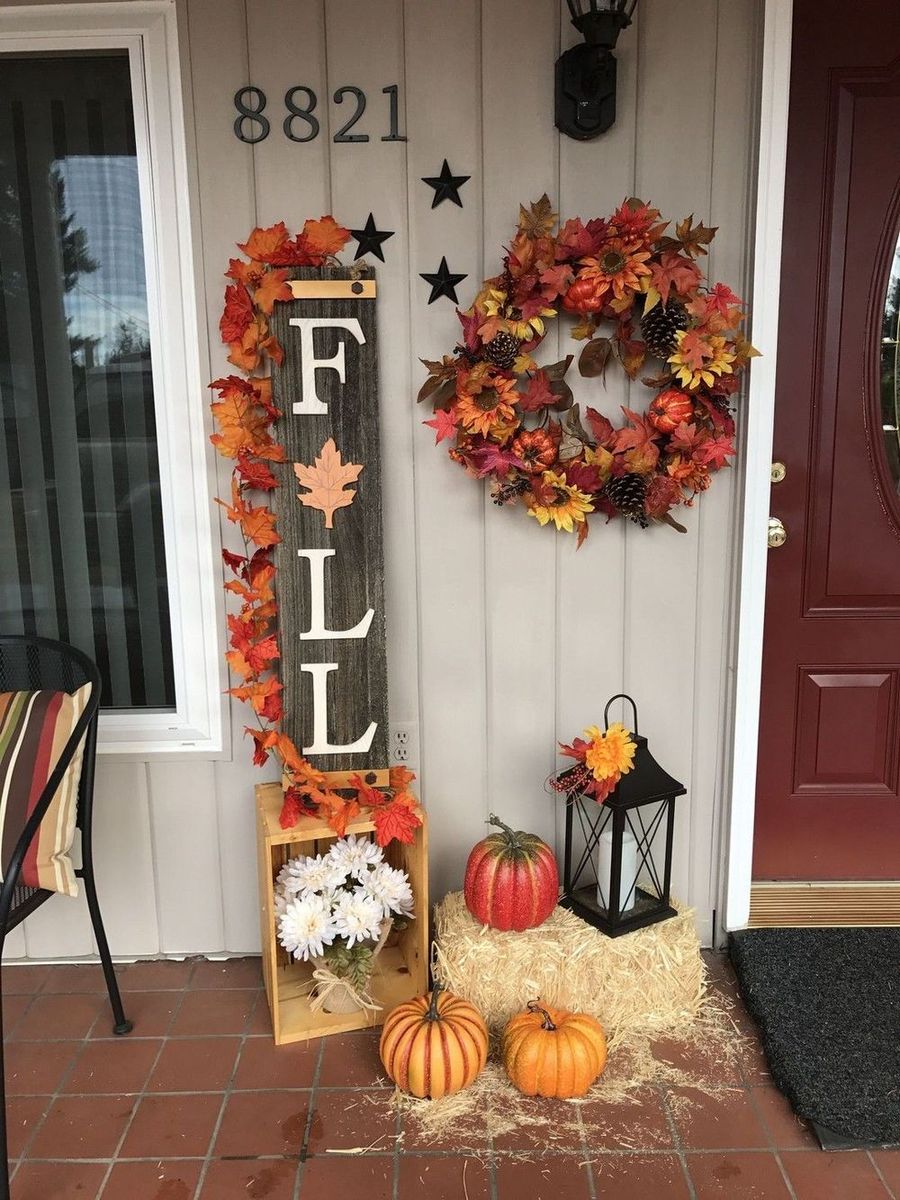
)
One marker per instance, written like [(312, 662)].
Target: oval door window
[(890, 371)]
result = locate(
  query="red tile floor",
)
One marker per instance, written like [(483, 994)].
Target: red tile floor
[(197, 1104)]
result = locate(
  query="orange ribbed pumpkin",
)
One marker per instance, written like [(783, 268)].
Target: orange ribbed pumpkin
[(553, 1053), (671, 408), (434, 1045)]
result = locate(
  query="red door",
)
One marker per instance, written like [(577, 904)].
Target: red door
[(828, 805)]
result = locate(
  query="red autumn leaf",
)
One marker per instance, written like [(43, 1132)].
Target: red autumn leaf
[(324, 237), (488, 458), (601, 427), (397, 821), (444, 424), (365, 793), (237, 315), (555, 280), (470, 325), (237, 562), (255, 474), (577, 240), (685, 438), (583, 531), (537, 394), (663, 493), (674, 271), (263, 243), (258, 654), (271, 288), (722, 299), (400, 778), (638, 433), (291, 809), (715, 451), (582, 475)]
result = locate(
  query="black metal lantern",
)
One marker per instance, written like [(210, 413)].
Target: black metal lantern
[(586, 74), (619, 877)]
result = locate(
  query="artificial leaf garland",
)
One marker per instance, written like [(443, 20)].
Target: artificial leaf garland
[(245, 415), (639, 295)]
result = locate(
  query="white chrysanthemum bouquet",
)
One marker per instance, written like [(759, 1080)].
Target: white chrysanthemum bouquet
[(338, 906)]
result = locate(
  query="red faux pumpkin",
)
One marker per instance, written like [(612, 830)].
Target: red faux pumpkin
[(512, 881)]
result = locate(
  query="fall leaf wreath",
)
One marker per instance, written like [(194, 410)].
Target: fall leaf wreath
[(642, 299), (245, 418)]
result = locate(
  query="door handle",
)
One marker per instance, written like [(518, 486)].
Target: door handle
[(777, 533)]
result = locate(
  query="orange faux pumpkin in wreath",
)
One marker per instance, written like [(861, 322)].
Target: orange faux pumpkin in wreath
[(642, 299)]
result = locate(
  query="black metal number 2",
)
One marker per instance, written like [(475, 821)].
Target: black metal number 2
[(246, 113), (259, 126), (343, 134)]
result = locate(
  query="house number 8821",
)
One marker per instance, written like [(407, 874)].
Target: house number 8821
[(300, 124)]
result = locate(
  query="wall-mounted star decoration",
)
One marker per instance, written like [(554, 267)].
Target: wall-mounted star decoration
[(446, 185), (443, 283), (370, 239)]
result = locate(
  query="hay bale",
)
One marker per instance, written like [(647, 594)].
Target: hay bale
[(650, 981)]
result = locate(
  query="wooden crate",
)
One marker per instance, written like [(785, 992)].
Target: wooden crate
[(401, 970)]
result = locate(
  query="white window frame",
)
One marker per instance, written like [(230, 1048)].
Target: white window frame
[(147, 30)]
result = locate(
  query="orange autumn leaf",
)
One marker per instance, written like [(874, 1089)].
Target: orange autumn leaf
[(239, 664), (327, 480), (272, 287), (400, 778), (262, 695), (263, 243), (257, 524), (325, 236), (337, 811)]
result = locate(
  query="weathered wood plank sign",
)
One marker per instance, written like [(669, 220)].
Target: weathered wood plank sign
[(330, 561)]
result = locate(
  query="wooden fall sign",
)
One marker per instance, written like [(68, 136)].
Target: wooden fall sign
[(330, 560)]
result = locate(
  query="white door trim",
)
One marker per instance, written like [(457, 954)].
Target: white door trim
[(775, 88)]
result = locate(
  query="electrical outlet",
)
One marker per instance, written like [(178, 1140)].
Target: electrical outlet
[(404, 744)]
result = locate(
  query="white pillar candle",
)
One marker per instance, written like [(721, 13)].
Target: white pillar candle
[(629, 869)]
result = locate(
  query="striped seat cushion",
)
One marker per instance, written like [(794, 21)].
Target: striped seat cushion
[(34, 729)]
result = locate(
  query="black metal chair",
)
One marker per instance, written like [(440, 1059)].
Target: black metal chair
[(40, 664)]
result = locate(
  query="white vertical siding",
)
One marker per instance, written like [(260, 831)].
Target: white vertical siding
[(502, 638)]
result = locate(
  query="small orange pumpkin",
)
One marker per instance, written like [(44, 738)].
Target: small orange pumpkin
[(434, 1045), (553, 1053)]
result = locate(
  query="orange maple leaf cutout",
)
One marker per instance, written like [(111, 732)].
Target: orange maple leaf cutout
[(327, 481)]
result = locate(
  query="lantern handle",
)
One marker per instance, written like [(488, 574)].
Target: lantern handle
[(611, 702)]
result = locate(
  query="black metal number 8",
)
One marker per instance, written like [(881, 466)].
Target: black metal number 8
[(305, 114), (250, 114)]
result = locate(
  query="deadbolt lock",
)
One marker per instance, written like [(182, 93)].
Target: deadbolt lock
[(779, 470), (777, 533)]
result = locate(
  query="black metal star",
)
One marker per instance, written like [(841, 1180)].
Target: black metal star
[(446, 185), (443, 283), (370, 239)]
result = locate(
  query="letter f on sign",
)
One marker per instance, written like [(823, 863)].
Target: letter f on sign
[(310, 405)]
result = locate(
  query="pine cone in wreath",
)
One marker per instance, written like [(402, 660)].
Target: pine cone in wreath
[(660, 325), (502, 350), (627, 493)]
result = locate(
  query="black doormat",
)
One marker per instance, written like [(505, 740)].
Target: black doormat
[(827, 1003)]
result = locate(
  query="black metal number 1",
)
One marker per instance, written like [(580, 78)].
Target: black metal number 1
[(250, 114), (343, 134), (395, 135)]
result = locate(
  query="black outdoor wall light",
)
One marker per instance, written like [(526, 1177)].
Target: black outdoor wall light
[(586, 74)]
